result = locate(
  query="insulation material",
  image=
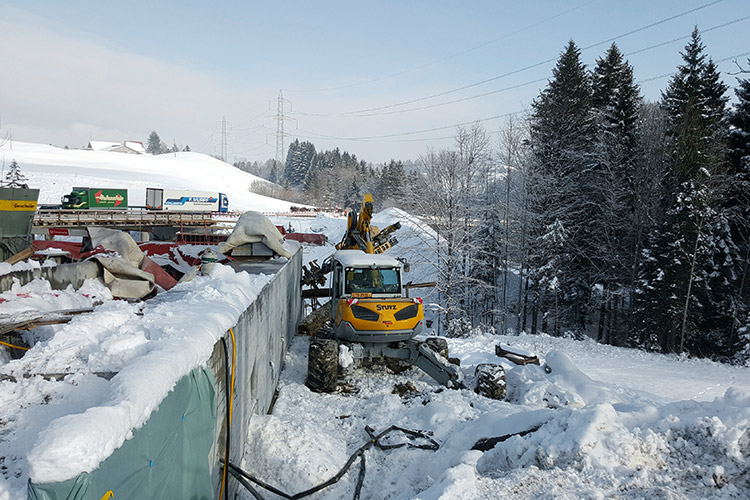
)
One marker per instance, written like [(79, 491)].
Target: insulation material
[(131, 274), (254, 227)]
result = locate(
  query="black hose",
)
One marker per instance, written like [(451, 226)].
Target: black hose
[(360, 452), (486, 444), (360, 478), (226, 381), (243, 482)]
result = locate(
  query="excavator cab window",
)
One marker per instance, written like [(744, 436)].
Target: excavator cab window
[(366, 280)]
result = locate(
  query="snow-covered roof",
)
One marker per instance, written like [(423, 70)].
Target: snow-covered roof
[(118, 147), (136, 146), (102, 145), (358, 258)]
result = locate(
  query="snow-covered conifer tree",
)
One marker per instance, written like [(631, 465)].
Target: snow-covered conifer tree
[(677, 278), (14, 178)]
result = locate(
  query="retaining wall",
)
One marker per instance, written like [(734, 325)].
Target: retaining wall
[(262, 335), (177, 453)]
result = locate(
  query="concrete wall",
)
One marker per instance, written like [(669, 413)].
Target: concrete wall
[(262, 335), (188, 449)]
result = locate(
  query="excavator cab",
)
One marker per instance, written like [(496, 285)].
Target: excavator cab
[(367, 299)]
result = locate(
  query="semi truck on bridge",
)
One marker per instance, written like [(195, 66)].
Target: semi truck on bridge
[(84, 198), (177, 200), (171, 200)]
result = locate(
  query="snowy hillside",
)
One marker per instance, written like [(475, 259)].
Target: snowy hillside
[(55, 171)]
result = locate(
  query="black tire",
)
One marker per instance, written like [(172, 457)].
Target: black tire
[(490, 381), (438, 344), (322, 365)]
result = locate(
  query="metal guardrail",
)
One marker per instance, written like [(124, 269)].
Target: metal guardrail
[(145, 218), (140, 217)]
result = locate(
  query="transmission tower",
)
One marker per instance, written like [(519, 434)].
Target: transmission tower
[(224, 138), (280, 130)]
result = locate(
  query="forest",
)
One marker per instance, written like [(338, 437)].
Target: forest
[(596, 213)]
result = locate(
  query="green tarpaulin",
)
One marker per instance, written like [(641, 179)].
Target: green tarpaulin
[(167, 458)]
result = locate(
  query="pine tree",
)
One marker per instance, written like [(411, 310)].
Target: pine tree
[(562, 183), (736, 205), (684, 257), (739, 135), (617, 102), (353, 197), (292, 161), (390, 183), (14, 178), (695, 103), (155, 146)]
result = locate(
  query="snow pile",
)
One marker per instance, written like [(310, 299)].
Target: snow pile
[(26, 265), (562, 434), (643, 449)]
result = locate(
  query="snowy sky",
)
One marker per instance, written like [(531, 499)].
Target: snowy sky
[(82, 70)]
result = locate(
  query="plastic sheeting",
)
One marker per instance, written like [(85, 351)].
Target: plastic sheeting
[(167, 458)]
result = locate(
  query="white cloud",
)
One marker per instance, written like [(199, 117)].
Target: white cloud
[(62, 89)]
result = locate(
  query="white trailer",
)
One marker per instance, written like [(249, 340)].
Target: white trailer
[(181, 200)]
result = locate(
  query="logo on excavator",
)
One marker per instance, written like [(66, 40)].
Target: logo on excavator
[(381, 307)]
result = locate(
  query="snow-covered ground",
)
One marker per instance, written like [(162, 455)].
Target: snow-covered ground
[(604, 422)]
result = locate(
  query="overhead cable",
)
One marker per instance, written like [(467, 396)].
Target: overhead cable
[(526, 68), (374, 138), (505, 89), (466, 51)]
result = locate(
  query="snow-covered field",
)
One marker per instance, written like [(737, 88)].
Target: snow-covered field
[(56, 171), (604, 422)]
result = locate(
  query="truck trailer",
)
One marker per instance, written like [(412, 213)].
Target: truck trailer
[(82, 198), (178, 200)]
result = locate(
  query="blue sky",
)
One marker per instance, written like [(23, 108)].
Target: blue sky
[(362, 76)]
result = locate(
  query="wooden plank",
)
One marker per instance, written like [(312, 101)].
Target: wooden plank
[(516, 356), (31, 321), (22, 255)]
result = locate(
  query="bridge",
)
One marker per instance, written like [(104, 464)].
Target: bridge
[(53, 222)]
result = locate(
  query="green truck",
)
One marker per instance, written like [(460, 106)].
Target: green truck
[(83, 198)]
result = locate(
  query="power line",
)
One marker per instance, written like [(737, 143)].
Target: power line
[(664, 75), (433, 129), (443, 59), (712, 28), (239, 127), (526, 68), (374, 138), (512, 87)]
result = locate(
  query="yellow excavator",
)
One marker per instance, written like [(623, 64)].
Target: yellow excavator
[(369, 310)]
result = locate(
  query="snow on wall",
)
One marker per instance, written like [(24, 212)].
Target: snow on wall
[(170, 340)]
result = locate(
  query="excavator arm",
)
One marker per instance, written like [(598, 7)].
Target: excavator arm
[(363, 236)]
